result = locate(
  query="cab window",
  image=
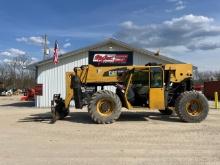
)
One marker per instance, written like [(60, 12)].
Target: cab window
[(140, 77), (156, 77)]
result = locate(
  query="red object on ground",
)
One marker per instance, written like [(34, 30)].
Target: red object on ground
[(210, 88), (38, 89), (198, 87), (28, 95), (24, 98)]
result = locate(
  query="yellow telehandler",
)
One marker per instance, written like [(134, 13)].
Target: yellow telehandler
[(165, 87)]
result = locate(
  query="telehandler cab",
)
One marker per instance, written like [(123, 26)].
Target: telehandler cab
[(165, 87)]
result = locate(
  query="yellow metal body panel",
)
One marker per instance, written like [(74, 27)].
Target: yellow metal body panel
[(179, 71), (128, 105), (156, 98), (92, 74), (69, 90)]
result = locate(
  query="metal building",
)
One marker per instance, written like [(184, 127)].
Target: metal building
[(52, 77)]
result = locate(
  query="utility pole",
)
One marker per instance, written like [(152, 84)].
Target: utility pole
[(46, 50)]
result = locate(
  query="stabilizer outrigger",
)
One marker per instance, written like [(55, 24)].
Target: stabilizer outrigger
[(58, 109)]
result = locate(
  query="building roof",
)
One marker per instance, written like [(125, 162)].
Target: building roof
[(110, 41)]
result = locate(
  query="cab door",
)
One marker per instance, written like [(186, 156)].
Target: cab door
[(156, 94)]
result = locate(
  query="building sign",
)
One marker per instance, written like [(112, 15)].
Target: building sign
[(111, 58), (38, 89)]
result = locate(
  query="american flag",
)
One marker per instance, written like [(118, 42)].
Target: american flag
[(55, 55)]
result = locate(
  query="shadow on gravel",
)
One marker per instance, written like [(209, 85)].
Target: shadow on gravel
[(83, 117), (160, 117), (21, 104), (145, 116), (40, 117)]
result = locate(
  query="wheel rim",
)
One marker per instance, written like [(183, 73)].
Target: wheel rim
[(194, 108), (104, 107)]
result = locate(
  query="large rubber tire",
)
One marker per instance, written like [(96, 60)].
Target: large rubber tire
[(167, 111), (185, 103), (107, 99)]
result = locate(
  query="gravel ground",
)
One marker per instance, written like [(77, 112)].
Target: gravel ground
[(26, 137)]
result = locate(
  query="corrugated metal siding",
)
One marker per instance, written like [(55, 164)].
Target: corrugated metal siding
[(53, 76), (141, 59)]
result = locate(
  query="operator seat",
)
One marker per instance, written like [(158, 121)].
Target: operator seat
[(141, 94)]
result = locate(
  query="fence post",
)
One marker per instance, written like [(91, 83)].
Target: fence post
[(216, 100)]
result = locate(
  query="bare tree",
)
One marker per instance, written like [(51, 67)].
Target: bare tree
[(4, 72), (207, 76), (14, 73)]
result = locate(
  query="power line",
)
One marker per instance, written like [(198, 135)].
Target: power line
[(45, 47)]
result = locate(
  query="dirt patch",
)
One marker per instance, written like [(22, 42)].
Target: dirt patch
[(136, 138)]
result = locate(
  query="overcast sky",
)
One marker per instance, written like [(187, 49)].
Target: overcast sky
[(187, 30)]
